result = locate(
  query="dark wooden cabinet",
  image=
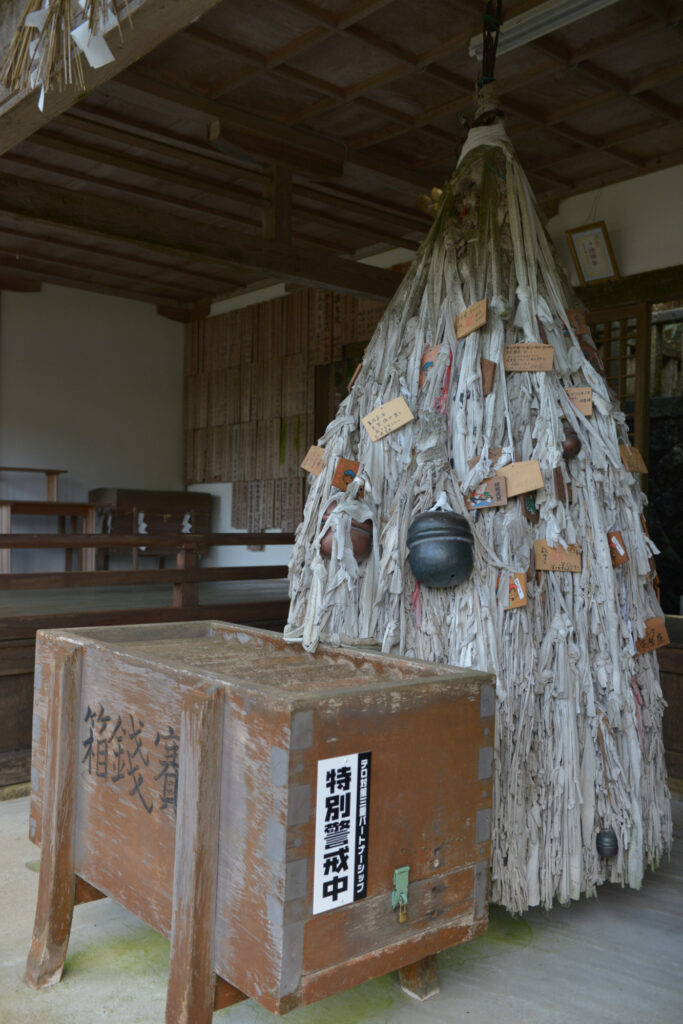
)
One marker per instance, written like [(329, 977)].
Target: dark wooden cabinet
[(127, 510)]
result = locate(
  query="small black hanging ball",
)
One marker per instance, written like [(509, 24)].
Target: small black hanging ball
[(606, 843), (441, 548)]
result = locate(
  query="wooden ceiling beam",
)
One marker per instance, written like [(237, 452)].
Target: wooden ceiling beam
[(319, 146), (158, 198), (15, 281), (152, 22), (110, 158), (67, 279), (98, 216), (65, 242), (374, 211), (77, 271), (310, 154), (591, 182), (105, 124)]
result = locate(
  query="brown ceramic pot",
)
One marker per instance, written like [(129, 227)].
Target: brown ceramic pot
[(361, 536), (571, 446)]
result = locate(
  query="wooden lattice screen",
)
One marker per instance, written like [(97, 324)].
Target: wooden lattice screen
[(621, 334)]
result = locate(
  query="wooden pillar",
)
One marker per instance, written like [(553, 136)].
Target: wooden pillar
[(185, 594), (421, 979), (87, 557), (192, 980), (5, 527), (57, 879), (51, 484)]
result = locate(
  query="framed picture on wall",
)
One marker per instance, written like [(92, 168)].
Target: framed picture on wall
[(592, 253)]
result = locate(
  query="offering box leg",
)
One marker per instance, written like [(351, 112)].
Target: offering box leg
[(57, 879), (421, 979), (192, 980)]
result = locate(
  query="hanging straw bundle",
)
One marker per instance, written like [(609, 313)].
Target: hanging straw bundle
[(578, 720), (43, 53)]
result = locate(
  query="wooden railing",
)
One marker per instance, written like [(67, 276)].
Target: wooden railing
[(184, 578)]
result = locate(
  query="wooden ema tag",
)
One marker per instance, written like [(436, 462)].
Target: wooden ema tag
[(541, 331), (582, 399), (386, 418), (354, 378), (516, 590), (494, 455), (345, 473), (522, 477), (488, 373), (489, 493), (427, 362), (531, 358), (557, 559), (655, 636), (563, 492), (616, 548), (632, 459), (471, 319), (577, 321), (313, 460)]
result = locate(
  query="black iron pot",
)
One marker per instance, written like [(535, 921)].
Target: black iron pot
[(441, 548), (606, 843)]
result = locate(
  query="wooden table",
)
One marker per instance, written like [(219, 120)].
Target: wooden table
[(50, 474), (75, 511)]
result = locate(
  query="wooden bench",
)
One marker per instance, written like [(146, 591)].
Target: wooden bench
[(74, 511), (51, 475)]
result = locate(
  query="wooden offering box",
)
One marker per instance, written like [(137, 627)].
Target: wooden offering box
[(296, 824)]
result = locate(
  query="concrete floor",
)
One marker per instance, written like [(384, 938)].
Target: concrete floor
[(614, 960)]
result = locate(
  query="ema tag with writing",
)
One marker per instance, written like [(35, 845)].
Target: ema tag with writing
[(427, 362), (471, 319), (581, 399), (522, 477), (655, 636), (577, 321), (488, 494), (488, 373), (531, 358), (386, 418), (617, 550), (345, 473), (557, 559), (313, 460), (632, 459), (342, 819), (516, 590)]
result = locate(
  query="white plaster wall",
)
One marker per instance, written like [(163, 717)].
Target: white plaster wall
[(91, 384), (644, 219)]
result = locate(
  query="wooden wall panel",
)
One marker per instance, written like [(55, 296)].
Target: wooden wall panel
[(250, 380)]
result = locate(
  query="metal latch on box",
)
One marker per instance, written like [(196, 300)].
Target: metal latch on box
[(399, 895)]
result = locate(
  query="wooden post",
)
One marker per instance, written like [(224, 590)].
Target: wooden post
[(57, 879), (192, 979), (88, 555), (52, 476), (5, 527), (421, 979), (185, 594)]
